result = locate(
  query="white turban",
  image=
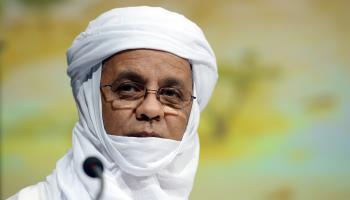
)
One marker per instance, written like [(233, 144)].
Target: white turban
[(135, 168), (144, 27)]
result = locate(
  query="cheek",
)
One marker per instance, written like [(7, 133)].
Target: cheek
[(176, 124), (115, 121)]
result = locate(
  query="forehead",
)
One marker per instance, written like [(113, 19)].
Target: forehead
[(152, 65)]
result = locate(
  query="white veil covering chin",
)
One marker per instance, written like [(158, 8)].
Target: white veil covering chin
[(135, 168)]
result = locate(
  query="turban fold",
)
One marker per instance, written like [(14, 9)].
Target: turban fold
[(135, 168), (143, 27)]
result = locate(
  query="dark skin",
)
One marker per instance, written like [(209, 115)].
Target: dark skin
[(150, 118)]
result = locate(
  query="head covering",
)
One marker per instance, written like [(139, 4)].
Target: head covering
[(143, 27), (135, 168)]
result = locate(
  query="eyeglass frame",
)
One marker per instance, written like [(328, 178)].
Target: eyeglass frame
[(154, 91)]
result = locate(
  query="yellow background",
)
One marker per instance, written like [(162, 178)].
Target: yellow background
[(278, 125)]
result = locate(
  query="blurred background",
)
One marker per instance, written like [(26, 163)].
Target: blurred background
[(278, 125)]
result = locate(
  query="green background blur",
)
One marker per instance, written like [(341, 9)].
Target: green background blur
[(278, 125)]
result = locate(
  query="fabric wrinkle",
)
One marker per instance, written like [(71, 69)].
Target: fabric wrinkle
[(135, 168)]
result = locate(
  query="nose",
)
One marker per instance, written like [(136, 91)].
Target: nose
[(150, 108)]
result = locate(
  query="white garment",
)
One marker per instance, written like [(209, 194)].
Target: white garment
[(135, 168)]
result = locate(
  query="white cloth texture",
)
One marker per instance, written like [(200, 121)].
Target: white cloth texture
[(135, 168)]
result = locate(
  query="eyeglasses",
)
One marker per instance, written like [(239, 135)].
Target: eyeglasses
[(130, 94)]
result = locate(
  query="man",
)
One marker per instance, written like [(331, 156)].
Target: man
[(140, 77)]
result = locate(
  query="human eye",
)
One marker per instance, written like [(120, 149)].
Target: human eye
[(128, 90), (128, 87), (171, 93)]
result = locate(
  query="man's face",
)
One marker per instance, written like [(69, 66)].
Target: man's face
[(150, 69)]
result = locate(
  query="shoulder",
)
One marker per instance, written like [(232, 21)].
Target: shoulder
[(33, 192)]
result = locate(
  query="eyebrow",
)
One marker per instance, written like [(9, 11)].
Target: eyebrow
[(171, 82), (130, 75), (136, 77)]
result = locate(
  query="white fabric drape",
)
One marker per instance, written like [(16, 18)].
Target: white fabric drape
[(135, 168)]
